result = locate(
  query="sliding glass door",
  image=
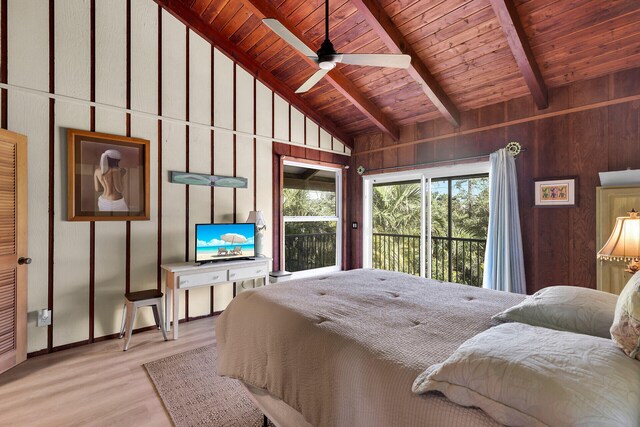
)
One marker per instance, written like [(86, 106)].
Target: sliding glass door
[(430, 223)]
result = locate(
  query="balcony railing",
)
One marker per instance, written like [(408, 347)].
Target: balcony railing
[(454, 259), (308, 251), (395, 252)]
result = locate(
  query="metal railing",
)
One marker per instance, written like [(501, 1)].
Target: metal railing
[(458, 260), (396, 252), (453, 259), (308, 251)]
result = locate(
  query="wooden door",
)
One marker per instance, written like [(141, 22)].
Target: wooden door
[(13, 246)]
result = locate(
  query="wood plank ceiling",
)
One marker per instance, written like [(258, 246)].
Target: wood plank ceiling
[(461, 43)]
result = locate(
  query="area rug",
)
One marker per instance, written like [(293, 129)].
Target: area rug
[(195, 395)]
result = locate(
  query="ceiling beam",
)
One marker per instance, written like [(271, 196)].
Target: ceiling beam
[(308, 174), (508, 17), (264, 9), (192, 20), (384, 27)]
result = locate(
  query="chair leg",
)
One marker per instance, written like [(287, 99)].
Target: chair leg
[(131, 318), (265, 421), (124, 316), (156, 315), (157, 311)]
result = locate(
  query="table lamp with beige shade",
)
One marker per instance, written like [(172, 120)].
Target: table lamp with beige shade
[(624, 242)]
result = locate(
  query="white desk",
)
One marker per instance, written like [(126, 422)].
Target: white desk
[(187, 275)]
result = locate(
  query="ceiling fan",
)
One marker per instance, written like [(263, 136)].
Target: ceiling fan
[(326, 57)]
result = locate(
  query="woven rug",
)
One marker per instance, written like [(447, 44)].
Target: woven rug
[(195, 395)]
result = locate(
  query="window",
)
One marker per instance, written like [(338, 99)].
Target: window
[(430, 223), (311, 209)]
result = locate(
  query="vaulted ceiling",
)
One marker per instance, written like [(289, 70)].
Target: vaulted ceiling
[(465, 53)]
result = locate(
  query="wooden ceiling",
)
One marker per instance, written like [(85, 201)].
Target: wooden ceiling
[(474, 52)]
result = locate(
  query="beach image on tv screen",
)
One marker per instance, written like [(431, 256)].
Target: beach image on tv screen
[(224, 241)]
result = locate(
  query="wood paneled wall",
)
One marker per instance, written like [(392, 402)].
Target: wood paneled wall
[(129, 67), (590, 127)]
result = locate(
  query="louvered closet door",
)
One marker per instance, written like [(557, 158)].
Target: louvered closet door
[(13, 246)]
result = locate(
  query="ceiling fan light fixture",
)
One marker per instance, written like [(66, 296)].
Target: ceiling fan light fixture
[(327, 65)]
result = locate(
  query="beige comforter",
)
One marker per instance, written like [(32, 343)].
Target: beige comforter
[(344, 349)]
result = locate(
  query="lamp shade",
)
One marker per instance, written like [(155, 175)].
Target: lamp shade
[(257, 217), (624, 243)]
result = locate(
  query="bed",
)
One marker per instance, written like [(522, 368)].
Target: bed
[(344, 349), (378, 348)]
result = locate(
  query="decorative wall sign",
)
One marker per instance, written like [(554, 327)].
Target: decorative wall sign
[(108, 177), (555, 192), (189, 178)]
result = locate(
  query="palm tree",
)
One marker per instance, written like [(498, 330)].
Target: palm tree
[(397, 209)]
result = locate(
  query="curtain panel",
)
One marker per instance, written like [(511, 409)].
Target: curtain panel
[(504, 261)]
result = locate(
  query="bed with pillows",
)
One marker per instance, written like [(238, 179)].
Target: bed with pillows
[(376, 348)]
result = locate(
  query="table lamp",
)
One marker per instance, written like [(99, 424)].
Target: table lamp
[(624, 243), (257, 217)]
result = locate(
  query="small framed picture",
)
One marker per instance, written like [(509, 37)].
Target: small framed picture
[(555, 192), (108, 177)]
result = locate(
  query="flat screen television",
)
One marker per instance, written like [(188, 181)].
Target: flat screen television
[(222, 242)]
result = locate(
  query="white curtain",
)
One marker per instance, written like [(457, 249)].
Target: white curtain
[(503, 260)]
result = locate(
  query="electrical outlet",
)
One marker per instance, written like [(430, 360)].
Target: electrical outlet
[(44, 317), (354, 225)]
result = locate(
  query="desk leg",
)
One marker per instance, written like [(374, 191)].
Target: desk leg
[(167, 309), (176, 312)]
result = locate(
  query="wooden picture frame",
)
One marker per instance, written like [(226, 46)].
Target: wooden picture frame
[(556, 192), (107, 177)]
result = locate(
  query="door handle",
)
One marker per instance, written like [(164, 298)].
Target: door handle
[(22, 260)]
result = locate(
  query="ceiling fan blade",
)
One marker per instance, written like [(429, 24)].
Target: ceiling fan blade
[(376, 59), (311, 82), (289, 37)]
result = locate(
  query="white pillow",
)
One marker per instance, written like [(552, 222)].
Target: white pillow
[(526, 375), (566, 308), (625, 330)]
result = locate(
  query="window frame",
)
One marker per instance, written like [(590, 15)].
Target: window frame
[(424, 176), (338, 219)]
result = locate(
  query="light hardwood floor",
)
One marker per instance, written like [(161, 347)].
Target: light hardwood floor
[(96, 384)]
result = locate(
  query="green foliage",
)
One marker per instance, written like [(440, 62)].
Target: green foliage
[(397, 209), (469, 208), (297, 202)]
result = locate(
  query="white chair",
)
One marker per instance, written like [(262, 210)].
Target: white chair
[(134, 300)]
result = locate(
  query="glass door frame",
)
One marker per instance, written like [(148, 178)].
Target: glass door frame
[(424, 176), (338, 218)]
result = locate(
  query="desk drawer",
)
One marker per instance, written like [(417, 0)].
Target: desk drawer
[(202, 279), (236, 274)]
